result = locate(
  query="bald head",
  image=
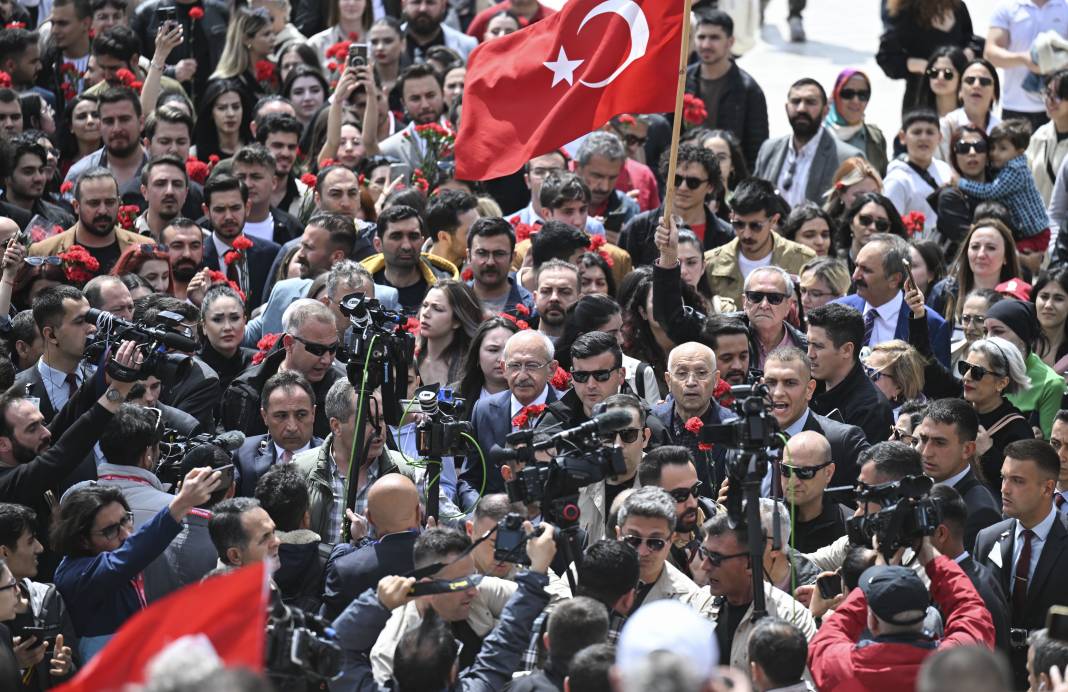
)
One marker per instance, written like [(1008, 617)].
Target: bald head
[(690, 351), (808, 448), (393, 504)]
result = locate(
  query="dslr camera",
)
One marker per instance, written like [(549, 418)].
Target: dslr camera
[(441, 431), (152, 341), (908, 514)]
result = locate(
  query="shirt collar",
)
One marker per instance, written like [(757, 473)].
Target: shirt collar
[(888, 310), (1042, 529), (952, 482), (540, 399), (278, 451), (57, 377), (220, 247), (962, 557), (798, 425)]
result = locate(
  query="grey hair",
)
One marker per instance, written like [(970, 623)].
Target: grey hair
[(896, 253), (301, 311), (346, 272), (650, 502), (604, 144), (787, 280), (662, 671), (1005, 359), (546, 342), (767, 516), (340, 400)]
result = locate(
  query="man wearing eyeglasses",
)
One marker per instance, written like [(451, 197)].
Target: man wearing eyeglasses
[(768, 299), (490, 248)]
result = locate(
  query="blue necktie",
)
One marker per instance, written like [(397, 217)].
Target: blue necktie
[(869, 326)]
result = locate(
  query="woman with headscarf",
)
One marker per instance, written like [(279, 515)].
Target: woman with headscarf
[(849, 100)]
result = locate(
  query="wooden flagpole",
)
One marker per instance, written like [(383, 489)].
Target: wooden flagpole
[(676, 125)]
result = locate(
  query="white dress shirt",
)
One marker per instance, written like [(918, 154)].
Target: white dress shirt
[(886, 320), (1038, 541), (795, 170), (55, 383), (517, 407)]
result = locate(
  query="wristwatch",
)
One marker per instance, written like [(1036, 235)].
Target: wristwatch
[(113, 394)]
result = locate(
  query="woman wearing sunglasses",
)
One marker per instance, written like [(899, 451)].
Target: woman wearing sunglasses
[(986, 258), (940, 91), (979, 91), (869, 214), (100, 576), (968, 157), (896, 370), (849, 100), (151, 262)]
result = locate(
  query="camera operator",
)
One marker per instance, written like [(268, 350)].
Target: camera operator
[(489, 512), (948, 539), (243, 534), (110, 294), (1043, 654), (147, 392), (671, 468), (891, 604), (426, 654), (60, 313), (691, 378), (1028, 551)]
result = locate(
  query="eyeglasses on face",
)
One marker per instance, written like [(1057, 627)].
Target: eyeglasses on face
[(39, 261), (805, 473), (149, 248), (983, 81), (111, 532), (850, 94), (867, 221), (716, 559), (515, 368), (655, 544), (977, 320), (626, 435), (977, 147), (692, 181), (635, 140), (874, 374), (683, 494), (754, 226), (816, 294), (758, 297), (975, 372), (685, 375), (945, 73), (583, 376), (318, 350)]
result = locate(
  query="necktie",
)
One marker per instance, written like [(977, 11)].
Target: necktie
[(287, 456), (72, 385), (1059, 500), (1020, 576), (869, 326)]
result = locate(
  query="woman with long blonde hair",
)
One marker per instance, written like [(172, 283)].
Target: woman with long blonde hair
[(249, 39)]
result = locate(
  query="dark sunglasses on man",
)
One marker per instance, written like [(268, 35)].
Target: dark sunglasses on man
[(583, 376), (318, 350), (805, 473), (627, 435), (683, 494), (717, 559), (692, 181), (655, 544), (757, 297)]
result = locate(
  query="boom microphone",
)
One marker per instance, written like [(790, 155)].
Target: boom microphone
[(609, 421)]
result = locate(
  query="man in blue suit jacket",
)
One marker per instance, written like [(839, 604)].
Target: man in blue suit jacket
[(880, 276), (255, 456)]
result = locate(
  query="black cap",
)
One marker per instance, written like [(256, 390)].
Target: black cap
[(892, 590)]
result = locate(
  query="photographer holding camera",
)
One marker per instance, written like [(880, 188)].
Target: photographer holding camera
[(425, 653)]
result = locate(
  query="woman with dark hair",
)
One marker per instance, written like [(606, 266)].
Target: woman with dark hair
[(306, 88), (448, 320), (980, 90), (968, 157), (849, 101), (692, 265), (928, 263), (296, 54), (138, 287), (222, 120), (986, 258), (870, 213), (732, 165), (389, 54), (483, 364), (37, 114), (940, 91), (1050, 297), (1049, 143), (348, 20), (12, 605), (916, 28), (222, 319), (151, 262), (83, 114), (809, 225), (100, 576), (595, 276)]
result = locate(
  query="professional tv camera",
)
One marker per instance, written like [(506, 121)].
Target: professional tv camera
[(439, 434), (300, 647), (174, 448), (908, 514), (152, 340)]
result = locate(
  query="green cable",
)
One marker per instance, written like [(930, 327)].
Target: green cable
[(359, 413), (793, 527)]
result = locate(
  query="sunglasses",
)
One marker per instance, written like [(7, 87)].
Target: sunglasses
[(683, 494), (717, 559), (867, 220), (40, 261), (850, 94), (945, 73), (755, 226), (978, 320), (150, 248), (655, 544), (692, 182), (628, 435), (318, 350), (983, 81), (805, 473), (970, 147), (599, 375), (978, 372), (112, 532), (873, 374), (757, 297), (900, 435)]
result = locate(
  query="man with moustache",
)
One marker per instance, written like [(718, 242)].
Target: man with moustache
[(424, 103), (557, 290), (185, 248), (490, 248), (120, 128), (165, 186), (802, 165), (168, 130), (96, 203)]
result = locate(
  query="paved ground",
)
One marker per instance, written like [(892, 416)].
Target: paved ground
[(841, 34)]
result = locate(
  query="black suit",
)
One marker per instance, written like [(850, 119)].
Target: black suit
[(253, 459), (983, 508), (36, 387), (847, 442), (351, 572), (1046, 587), (259, 258), (990, 590), (17, 214), (860, 404), (197, 393)]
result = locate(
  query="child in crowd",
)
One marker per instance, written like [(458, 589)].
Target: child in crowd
[(909, 183)]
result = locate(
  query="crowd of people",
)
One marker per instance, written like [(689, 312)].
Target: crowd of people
[(196, 193)]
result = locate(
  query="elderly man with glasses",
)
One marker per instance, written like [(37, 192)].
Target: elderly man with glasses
[(768, 298)]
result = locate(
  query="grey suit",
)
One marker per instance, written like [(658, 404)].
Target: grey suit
[(830, 153)]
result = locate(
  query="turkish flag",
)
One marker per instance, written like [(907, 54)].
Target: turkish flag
[(535, 90), (230, 610)]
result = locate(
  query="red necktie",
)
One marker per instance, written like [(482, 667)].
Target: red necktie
[(1020, 576), (1059, 500)]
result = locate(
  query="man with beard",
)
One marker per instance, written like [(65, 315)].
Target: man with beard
[(448, 218), (226, 203), (280, 133), (769, 298), (96, 203), (558, 289), (255, 166), (168, 130), (185, 248), (424, 103), (599, 162), (10, 112), (400, 264), (802, 165), (426, 28), (728, 338), (23, 163), (120, 128), (20, 57), (165, 185), (327, 239), (490, 248), (754, 215)]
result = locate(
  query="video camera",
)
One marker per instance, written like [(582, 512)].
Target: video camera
[(174, 450), (152, 340), (374, 341), (441, 431), (908, 514), (300, 646)]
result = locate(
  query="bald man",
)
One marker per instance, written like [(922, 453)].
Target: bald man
[(393, 512), (804, 473), (691, 378)]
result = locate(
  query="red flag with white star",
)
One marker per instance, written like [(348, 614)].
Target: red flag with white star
[(535, 90)]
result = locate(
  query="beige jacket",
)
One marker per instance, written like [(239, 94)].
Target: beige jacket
[(781, 605), (593, 513), (674, 584), (725, 275)]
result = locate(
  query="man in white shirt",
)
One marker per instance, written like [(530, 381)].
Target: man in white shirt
[(254, 165), (909, 183)]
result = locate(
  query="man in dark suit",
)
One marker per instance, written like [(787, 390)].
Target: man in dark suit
[(1028, 551), (880, 276), (226, 204), (947, 444), (1058, 439), (835, 337), (788, 374), (949, 539), (393, 513), (288, 410)]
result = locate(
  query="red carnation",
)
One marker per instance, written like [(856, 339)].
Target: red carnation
[(5, 80), (596, 242), (197, 170), (561, 379), (327, 163), (127, 215), (196, 13), (241, 242), (523, 231), (526, 414), (722, 393), (265, 344), (231, 256), (125, 76), (704, 446), (264, 71), (521, 309), (411, 325), (15, 25), (467, 274), (213, 159), (693, 109), (309, 179), (66, 187), (522, 324), (627, 119), (353, 36), (693, 425)]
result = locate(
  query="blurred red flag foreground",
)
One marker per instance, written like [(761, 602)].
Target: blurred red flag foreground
[(535, 90), (230, 611)]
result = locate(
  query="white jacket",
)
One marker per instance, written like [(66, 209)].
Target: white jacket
[(1045, 154), (908, 191)]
